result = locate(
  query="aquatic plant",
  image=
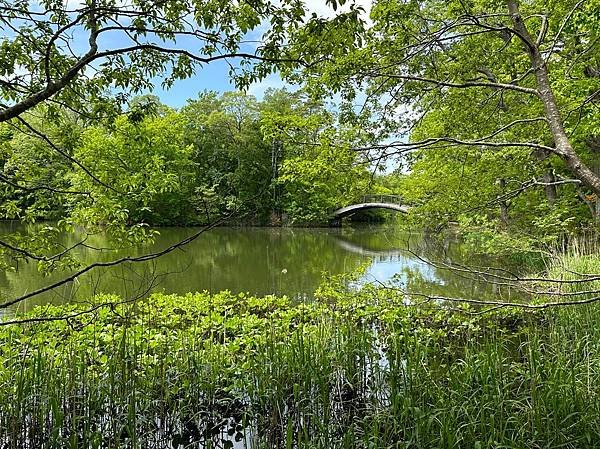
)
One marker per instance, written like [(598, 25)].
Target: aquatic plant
[(352, 369)]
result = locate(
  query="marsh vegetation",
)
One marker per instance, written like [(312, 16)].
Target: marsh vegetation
[(358, 369)]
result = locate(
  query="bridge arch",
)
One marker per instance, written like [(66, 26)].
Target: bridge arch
[(390, 202)]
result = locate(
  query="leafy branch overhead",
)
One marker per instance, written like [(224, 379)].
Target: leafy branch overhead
[(447, 75), (76, 55)]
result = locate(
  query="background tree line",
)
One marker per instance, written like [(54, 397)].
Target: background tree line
[(285, 156)]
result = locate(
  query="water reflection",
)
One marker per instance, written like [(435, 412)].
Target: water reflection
[(386, 263), (261, 261)]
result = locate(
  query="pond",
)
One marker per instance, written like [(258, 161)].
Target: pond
[(227, 372), (281, 261)]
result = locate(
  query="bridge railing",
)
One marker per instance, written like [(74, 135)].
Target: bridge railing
[(374, 198), (390, 199)]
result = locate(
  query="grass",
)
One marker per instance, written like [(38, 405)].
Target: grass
[(351, 370)]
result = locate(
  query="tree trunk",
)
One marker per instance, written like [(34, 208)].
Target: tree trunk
[(551, 193), (563, 147), (503, 205)]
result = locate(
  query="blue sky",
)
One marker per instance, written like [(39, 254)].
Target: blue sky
[(214, 76)]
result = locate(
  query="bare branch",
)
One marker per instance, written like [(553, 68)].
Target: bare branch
[(511, 277), (431, 142), (562, 27), (92, 266), (518, 305), (30, 255), (32, 188), (462, 85), (68, 317), (64, 154)]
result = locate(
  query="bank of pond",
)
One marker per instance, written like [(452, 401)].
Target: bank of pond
[(366, 368)]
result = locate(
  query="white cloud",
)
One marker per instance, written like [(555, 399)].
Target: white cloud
[(273, 81)]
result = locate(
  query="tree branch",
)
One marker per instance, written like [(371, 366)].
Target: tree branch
[(92, 266), (462, 85)]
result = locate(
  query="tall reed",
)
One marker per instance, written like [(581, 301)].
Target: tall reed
[(354, 370)]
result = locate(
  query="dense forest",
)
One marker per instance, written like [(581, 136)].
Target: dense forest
[(469, 320), (285, 155)]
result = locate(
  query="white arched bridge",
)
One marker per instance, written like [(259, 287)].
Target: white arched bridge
[(390, 202)]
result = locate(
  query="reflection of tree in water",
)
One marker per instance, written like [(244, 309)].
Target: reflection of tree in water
[(264, 261), (417, 263), (260, 261)]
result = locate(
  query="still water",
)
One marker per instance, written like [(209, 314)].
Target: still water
[(282, 261)]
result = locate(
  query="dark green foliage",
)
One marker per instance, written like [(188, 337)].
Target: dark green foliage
[(157, 166)]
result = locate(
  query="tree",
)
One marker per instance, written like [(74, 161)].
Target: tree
[(35, 177), (497, 77), (148, 166), (322, 179), (233, 165), (318, 170)]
